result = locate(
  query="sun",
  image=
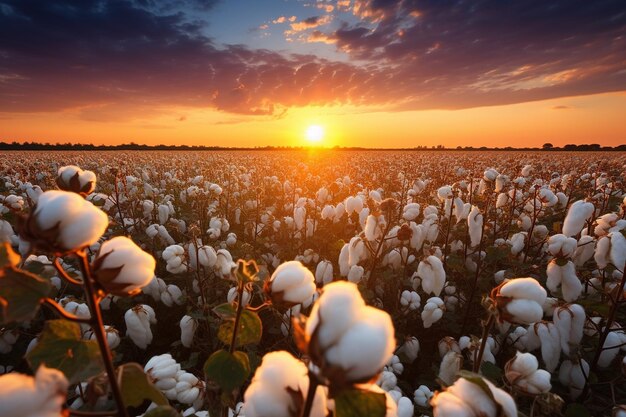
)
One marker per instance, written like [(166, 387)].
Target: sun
[(315, 134)]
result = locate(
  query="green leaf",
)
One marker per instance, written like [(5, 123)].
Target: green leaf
[(60, 346), (162, 411), (227, 370), (249, 332), (21, 294), (8, 257), (136, 386), (225, 311), (576, 410), (357, 403), (491, 372)]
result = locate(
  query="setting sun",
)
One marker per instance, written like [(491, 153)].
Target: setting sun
[(315, 134)]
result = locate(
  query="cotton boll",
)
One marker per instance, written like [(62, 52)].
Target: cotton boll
[(405, 407), (351, 336), (433, 311), (565, 276), (545, 335), (410, 349), (570, 321), (617, 253), (73, 222), (324, 272), (188, 326), (279, 388), (467, 399), (72, 178), (411, 211), (356, 274), (224, 264), (523, 372), (410, 300), (577, 215), (573, 375), (188, 388), (138, 320), (174, 255), (162, 371), (520, 300), (474, 225), (40, 396), (290, 284), (422, 396), (561, 246), (432, 274), (233, 296), (450, 367), (123, 268), (610, 350), (113, 336), (584, 250)]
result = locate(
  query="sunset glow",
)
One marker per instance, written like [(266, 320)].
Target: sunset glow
[(315, 134), (391, 74)]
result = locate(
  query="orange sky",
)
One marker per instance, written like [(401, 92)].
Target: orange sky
[(584, 119)]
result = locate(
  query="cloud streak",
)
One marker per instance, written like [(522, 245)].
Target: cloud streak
[(116, 56)]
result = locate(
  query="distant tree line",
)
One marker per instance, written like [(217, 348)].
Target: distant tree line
[(39, 146)]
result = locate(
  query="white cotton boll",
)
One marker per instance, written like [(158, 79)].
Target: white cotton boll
[(328, 212), (577, 215), (188, 388), (422, 396), (433, 311), (526, 170), (405, 407), (550, 340), (291, 283), (123, 268), (174, 256), (432, 274), (324, 272), (573, 375), (450, 367), (344, 260), (299, 216), (387, 381), (163, 213), (467, 399), (72, 178), (617, 253), (188, 326), (602, 252), (547, 197), (584, 250), (231, 240), (77, 222), (417, 237), (353, 205), (410, 349), (351, 336), (233, 296), (224, 263), (162, 370), (490, 174), (172, 295), (570, 321), (565, 276), (152, 231), (610, 350), (40, 396), (113, 336), (395, 365), (355, 274), (357, 252), (269, 393), (522, 300), (523, 372), (371, 230), (410, 300), (518, 242), (138, 321), (562, 246), (207, 256), (411, 211), (474, 225)]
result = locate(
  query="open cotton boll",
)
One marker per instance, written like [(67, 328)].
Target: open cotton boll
[(584, 250), (611, 348), (349, 335), (72, 178), (577, 215), (279, 388), (138, 320), (410, 300), (172, 295), (203, 255), (573, 375), (466, 398), (188, 326), (162, 371), (561, 246), (422, 396), (324, 272), (63, 222), (474, 225), (233, 296), (224, 264), (565, 276), (405, 407), (545, 335), (290, 284), (433, 311), (355, 274), (570, 321), (523, 372), (40, 396), (617, 253), (520, 300), (411, 211), (122, 268), (188, 388), (174, 255), (450, 367), (113, 336), (432, 274)]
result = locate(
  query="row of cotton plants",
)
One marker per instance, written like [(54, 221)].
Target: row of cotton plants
[(297, 284)]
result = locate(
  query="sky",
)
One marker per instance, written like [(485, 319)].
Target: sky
[(373, 73)]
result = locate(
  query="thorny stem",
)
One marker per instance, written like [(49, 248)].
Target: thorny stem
[(98, 328), (310, 395), (607, 329), (483, 342)]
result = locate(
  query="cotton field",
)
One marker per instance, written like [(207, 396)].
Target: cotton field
[(312, 283)]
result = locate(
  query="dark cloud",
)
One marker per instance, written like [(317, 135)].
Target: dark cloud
[(114, 57)]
